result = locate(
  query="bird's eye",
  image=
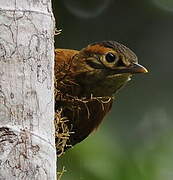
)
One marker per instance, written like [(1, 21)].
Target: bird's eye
[(110, 57)]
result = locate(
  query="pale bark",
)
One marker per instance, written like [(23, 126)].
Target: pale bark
[(27, 147)]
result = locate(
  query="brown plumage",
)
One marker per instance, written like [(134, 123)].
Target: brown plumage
[(85, 82)]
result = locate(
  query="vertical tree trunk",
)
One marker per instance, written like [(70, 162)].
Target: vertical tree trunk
[(27, 148)]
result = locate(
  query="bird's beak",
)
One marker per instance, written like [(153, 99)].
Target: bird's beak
[(132, 69), (136, 68)]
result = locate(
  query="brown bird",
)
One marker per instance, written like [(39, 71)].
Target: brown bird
[(86, 81)]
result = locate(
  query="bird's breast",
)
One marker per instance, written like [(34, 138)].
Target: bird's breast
[(84, 115)]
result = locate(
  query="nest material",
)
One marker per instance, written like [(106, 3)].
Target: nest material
[(63, 131)]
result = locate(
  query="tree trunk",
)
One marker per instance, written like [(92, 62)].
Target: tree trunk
[(27, 147)]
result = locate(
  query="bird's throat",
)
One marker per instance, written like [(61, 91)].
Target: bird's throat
[(107, 86)]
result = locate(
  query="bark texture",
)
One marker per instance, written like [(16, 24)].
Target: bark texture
[(27, 148)]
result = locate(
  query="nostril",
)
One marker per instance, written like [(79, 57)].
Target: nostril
[(120, 62)]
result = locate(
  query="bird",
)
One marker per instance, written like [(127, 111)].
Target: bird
[(86, 83)]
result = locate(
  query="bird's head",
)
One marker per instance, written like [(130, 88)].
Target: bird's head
[(105, 67)]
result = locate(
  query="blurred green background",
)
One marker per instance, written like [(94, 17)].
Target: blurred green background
[(135, 141)]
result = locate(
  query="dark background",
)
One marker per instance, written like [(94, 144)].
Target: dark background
[(135, 142)]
